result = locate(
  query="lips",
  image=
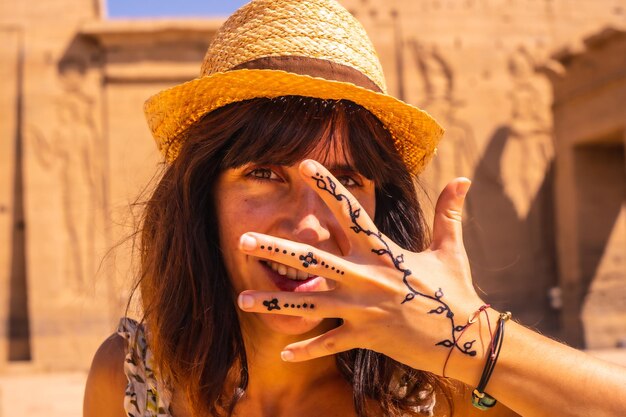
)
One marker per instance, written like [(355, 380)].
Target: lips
[(285, 283)]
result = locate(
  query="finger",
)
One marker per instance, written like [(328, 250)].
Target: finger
[(448, 226), (303, 304), (332, 342), (303, 257), (346, 208)]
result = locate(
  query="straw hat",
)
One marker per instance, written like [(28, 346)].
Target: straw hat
[(272, 48)]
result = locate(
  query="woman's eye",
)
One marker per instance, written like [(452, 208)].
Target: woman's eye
[(347, 181), (262, 174)]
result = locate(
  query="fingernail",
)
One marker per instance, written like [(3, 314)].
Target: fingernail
[(462, 187), (246, 301), (247, 242), (286, 355), (309, 168)]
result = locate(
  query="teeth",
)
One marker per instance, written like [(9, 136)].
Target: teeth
[(292, 273), (287, 271)]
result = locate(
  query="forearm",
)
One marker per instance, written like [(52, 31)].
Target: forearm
[(536, 376)]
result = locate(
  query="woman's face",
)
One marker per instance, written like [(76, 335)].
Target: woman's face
[(274, 200)]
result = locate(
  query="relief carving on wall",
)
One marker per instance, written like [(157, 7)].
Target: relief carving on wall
[(457, 152), (70, 151), (529, 150)]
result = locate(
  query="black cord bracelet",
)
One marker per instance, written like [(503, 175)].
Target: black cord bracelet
[(480, 399)]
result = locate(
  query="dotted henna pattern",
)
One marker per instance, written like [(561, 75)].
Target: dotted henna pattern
[(307, 260), (273, 305)]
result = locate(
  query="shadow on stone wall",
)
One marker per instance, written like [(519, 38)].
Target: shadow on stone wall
[(601, 193), (506, 250), (19, 344)]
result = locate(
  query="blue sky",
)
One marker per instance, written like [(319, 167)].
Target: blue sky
[(171, 8)]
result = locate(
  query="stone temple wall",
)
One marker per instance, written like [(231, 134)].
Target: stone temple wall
[(54, 222), (590, 186), (76, 153)]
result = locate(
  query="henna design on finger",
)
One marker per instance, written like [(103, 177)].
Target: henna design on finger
[(304, 305), (327, 184), (309, 259), (332, 268), (271, 304)]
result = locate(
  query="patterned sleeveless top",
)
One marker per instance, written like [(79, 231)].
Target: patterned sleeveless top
[(145, 395)]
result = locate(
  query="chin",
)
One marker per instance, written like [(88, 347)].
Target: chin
[(294, 326)]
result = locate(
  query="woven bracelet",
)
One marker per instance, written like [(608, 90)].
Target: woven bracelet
[(480, 399)]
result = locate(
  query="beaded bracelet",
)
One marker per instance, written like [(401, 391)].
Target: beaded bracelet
[(480, 399)]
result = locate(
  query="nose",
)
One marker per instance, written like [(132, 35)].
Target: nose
[(311, 219)]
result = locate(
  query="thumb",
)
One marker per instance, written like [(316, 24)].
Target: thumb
[(448, 226)]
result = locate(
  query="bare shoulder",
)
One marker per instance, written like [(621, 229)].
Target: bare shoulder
[(106, 383)]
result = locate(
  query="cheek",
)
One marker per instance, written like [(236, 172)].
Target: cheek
[(367, 201), (370, 207), (230, 218), (237, 216), (233, 218)]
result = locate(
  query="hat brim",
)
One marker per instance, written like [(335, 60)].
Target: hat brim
[(171, 111)]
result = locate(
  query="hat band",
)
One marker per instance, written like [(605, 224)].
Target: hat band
[(313, 67)]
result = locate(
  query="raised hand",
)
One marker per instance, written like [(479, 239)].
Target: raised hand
[(413, 307)]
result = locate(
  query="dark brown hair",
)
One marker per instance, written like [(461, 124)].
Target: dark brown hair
[(195, 332)]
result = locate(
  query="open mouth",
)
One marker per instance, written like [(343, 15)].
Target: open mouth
[(287, 278), (287, 271)]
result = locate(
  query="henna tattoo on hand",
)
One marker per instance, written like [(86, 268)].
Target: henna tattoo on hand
[(328, 185), (273, 305), (332, 268), (307, 260)]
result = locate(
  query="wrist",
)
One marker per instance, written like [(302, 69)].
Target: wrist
[(464, 367)]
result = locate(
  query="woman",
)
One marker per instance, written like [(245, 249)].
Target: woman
[(286, 266)]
